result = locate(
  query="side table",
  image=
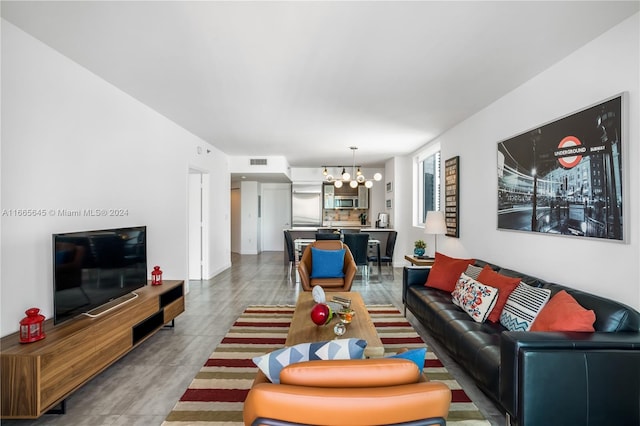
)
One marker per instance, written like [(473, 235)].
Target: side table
[(419, 262)]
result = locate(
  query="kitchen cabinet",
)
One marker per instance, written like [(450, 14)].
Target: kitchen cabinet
[(363, 197), (329, 196), (331, 193)]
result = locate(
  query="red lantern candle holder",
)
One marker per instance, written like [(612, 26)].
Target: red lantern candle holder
[(156, 276), (32, 326)]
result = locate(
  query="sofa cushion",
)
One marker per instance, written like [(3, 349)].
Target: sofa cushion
[(272, 363), (564, 313), (475, 298), (505, 286), (473, 271), (523, 306), (327, 263), (611, 316), (445, 272)]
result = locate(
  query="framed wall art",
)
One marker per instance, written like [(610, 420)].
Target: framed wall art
[(388, 204), (566, 177), (452, 196), (389, 186)]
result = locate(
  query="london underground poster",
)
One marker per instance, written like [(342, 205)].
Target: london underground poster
[(565, 177)]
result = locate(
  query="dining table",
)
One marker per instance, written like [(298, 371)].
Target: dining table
[(301, 243)]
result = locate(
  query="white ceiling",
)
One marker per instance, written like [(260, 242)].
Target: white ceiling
[(306, 80)]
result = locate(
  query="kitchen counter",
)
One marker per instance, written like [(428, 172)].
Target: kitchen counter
[(343, 224)]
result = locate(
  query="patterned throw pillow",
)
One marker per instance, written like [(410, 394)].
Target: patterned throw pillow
[(272, 363), (523, 306), (475, 298), (473, 271)]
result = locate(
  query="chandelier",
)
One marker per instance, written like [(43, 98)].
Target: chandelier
[(345, 177)]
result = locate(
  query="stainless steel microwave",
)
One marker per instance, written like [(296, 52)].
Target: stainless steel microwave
[(345, 202)]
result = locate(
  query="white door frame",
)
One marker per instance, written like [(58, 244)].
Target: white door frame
[(198, 224)]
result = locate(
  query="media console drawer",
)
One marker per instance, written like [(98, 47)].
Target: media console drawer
[(38, 376), (173, 309)]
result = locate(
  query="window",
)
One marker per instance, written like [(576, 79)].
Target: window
[(428, 182)]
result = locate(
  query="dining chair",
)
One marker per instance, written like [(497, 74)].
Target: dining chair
[(359, 246), (387, 257), (327, 236)]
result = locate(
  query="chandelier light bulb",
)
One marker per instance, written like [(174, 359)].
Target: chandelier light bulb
[(345, 176)]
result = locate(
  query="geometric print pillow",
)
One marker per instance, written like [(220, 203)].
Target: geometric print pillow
[(473, 271), (523, 306), (272, 363), (475, 298)]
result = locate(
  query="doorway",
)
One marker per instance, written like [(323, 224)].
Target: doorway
[(276, 215)]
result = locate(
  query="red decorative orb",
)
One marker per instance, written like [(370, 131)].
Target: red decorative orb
[(321, 314)]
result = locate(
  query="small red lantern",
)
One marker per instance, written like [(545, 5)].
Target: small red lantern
[(32, 326), (156, 276)]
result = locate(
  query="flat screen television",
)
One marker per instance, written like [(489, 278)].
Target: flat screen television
[(92, 268)]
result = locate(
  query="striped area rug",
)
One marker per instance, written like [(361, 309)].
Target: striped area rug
[(215, 396)]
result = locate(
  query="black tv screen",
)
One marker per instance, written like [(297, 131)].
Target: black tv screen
[(92, 268)]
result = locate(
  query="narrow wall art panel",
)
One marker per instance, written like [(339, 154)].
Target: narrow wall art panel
[(452, 196)]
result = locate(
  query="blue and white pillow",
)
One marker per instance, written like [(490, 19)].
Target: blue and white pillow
[(523, 306), (272, 363)]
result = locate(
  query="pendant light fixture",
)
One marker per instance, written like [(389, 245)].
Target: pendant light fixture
[(345, 176)]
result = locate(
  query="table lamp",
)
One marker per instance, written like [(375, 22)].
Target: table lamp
[(434, 224)]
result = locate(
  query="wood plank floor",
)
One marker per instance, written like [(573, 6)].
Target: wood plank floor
[(142, 388)]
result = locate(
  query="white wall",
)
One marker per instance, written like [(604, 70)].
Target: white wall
[(603, 68), (73, 141)]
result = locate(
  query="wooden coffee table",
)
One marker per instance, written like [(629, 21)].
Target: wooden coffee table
[(303, 330)]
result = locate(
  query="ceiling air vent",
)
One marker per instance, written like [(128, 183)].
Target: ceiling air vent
[(258, 161)]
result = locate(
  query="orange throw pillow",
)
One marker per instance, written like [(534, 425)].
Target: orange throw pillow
[(445, 272), (505, 286), (564, 313)]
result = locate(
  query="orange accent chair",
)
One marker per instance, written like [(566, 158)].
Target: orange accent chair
[(382, 391), (328, 284)]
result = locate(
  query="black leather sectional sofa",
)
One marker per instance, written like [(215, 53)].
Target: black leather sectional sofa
[(541, 378)]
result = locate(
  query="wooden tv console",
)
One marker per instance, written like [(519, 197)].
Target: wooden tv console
[(36, 377)]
